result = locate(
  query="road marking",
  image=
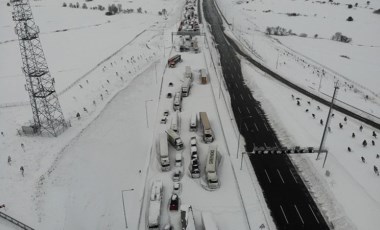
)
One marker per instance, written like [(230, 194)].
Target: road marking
[(246, 126), (265, 145), (265, 124), (236, 85), (313, 214), (239, 109), (257, 110), (283, 213), (268, 177), (242, 97), (293, 176), (232, 95), (299, 214), (256, 127), (249, 112), (280, 176)]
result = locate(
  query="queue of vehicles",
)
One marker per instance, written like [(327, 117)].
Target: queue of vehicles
[(199, 122)]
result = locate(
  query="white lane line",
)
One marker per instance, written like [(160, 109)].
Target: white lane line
[(236, 85), (242, 97), (293, 176), (257, 129), (280, 176), (299, 214), (239, 109), (249, 112), (268, 177), (283, 213), (313, 214), (266, 126), (246, 126), (265, 145)]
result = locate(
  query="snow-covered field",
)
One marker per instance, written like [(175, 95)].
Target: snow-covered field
[(302, 60), (114, 66), (350, 195)]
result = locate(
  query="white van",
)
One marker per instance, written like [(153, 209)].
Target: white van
[(193, 122), (178, 159)]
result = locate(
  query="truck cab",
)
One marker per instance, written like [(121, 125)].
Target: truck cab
[(174, 139)]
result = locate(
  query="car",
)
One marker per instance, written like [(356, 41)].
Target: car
[(193, 141), (164, 120), (177, 176), (169, 95), (176, 187), (166, 112), (178, 159), (195, 173), (168, 227), (195, 162), (194, 156), (174, 202), (193, 151)]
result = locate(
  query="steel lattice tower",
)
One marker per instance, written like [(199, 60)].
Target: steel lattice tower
[(47, 113)]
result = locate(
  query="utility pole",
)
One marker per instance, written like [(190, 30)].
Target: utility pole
[(122, 196), (320, 82), (155, 68), (278, 55), (237, 150), (146, 112), (327, 124)]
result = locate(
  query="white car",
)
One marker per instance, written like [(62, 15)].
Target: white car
[(193, 141), (176, 187), (164, 119), (177, 176), (178, 159)]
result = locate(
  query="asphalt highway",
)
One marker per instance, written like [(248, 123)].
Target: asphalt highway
[(287, 197)]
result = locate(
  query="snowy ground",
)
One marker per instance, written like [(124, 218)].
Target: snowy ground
[(300, 59), (75, 181), (349, 197)]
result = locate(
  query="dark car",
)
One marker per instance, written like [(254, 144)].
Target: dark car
[(174, 203)]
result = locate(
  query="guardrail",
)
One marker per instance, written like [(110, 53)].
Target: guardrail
[(15, 222)]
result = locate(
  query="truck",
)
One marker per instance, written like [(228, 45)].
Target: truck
[(174, 60), (203, 76), (175, 122), (208, 221), (212, 162), (155, 205), (193, 122), (188, 73), (185, 88), (174, 139), (187, 217), (177, 101), (164, 152), (208, 135)]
